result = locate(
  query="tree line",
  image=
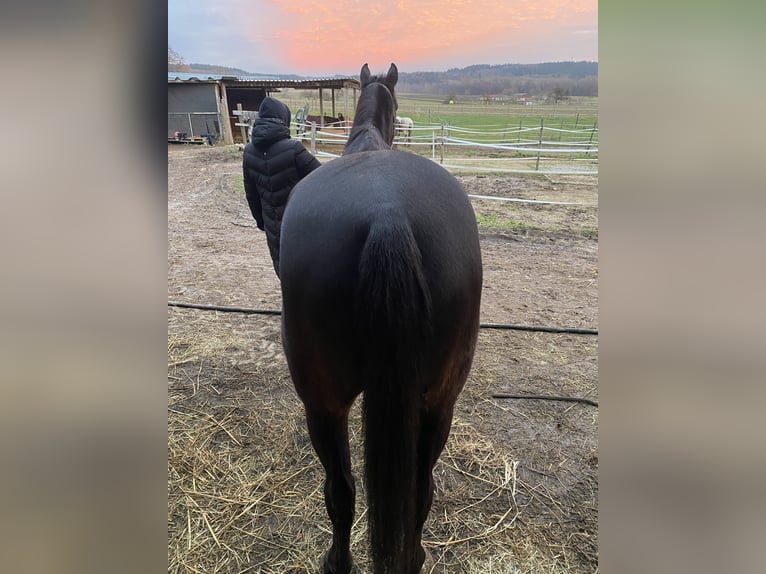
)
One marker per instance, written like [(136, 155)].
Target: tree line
[(560, 78), (549, 79)]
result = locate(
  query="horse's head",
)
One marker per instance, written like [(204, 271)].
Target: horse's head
[(390, 79), (376, 108)]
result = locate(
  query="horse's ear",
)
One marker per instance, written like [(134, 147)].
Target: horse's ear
[(364, 75), (392, 76)]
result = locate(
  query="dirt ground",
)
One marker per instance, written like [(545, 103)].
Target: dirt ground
[(517, 486)]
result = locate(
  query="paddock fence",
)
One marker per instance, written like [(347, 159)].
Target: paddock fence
[(542, 149)]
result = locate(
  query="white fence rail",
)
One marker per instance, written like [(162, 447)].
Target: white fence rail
[(541, 149)]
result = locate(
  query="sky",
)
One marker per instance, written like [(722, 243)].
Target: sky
[(328, 37)]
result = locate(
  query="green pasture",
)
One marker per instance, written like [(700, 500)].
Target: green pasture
[(576, 112), (504, 122), (498, 122)]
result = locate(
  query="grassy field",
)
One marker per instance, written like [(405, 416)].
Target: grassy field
[(475, 129), (502, 123), (575, 113)]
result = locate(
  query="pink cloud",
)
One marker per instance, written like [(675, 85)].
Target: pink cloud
[(342, 35)]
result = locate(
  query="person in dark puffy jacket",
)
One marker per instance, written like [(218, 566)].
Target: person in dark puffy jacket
[(272, 164)]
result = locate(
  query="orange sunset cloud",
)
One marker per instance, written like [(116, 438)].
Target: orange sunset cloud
[(342, 35)]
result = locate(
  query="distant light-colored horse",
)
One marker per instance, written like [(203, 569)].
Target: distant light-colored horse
[(404, 127)]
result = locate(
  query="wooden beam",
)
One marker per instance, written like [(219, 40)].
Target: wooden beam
[(345, 105), (228, 137), (321, 108)]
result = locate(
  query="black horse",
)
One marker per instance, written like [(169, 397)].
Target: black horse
[(381, 283)]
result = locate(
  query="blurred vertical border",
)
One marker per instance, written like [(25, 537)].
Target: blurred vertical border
[(83, 290), (682, 283), (83, 225)]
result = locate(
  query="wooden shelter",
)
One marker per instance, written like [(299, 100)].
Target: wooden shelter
[(205, 104)]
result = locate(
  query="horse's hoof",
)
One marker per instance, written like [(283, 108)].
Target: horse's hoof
[(330, 567)]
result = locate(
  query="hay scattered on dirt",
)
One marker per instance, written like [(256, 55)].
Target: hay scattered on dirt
[(517, 481), (245, 488)]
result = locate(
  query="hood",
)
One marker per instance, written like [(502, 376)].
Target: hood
[(273, 123), (271, 108)]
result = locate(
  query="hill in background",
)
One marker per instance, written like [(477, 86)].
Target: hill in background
[(569, 78), (224, 70), (566, 78)]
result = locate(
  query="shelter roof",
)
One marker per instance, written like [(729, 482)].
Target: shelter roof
[(264, 81)]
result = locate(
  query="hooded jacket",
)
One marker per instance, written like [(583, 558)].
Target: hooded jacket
[(272, 164)]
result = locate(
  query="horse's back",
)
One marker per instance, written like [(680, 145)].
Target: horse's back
[(331, 212), (356, 188)]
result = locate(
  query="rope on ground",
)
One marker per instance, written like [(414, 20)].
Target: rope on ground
[(546, 398), (541, 328), (507, 326), (224, 309)]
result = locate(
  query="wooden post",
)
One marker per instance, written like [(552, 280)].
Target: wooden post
[(539, 146), (218, 109), (228, 137), (345, 111), (590, 142), (242, 129), (441, 160), (345, 103), (313, 138), (321, 108), (332, 92)]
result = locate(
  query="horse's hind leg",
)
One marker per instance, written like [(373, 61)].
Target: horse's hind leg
[(329, 436), (434, 431), (435, 424)]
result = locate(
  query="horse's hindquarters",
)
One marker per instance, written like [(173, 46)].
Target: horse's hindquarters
[(330, 221)]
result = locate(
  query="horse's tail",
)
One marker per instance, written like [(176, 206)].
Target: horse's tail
[(393, 307)]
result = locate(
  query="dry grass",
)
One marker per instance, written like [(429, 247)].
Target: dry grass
[(245, 488)]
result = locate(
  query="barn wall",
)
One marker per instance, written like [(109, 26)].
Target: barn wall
[(193, 109), (185, 98)]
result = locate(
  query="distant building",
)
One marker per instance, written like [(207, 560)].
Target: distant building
[(502, 98)]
